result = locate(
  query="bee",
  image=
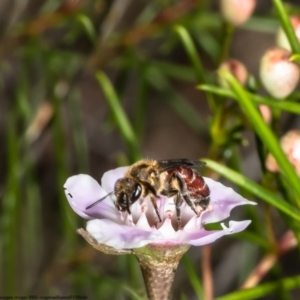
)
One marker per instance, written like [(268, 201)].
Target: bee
[(172, 178)]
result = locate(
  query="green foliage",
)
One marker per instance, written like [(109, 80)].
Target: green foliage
[(63, 52)]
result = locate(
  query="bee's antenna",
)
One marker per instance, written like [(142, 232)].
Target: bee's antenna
[(100, 200)]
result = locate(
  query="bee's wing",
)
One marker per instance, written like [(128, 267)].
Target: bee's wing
[(168, 164)]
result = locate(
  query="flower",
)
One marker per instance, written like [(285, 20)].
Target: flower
[(237, 12), (158, 246), (107, 227), (290, 144), (236, 68), (278, 74)]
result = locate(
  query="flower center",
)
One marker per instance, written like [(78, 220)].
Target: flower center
[(144, 214)]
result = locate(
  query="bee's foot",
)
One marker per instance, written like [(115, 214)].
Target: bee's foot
[(121, 216), (157, 217), (130, 218), (210, 208), (198, 210)]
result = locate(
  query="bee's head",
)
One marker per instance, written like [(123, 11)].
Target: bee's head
[(127, 191)]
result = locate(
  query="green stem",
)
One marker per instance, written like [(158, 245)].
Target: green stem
[(228, 33), (61, 160), (286, 25), (141, 105), (282, 104), (10, 209), (257, 292), (265, 133), (195, 60), (192, 275), (79, 135), (119, 115), (254, 188)]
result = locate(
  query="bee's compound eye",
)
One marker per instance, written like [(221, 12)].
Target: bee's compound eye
[(137, 192)]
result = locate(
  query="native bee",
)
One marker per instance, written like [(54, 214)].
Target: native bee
[(172, 178)]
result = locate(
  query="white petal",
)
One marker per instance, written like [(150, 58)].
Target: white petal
[(223, 199), (167, 230), (143, 222), (110, 177), (83, 190), (203, 237), (195, 223), (120, 236), (167, 204)]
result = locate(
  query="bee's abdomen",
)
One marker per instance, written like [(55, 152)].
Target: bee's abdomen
[(195, 184)]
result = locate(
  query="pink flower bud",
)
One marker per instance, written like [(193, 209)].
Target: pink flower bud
[(265, 112), (236, 68), (271, 164), (281, 38), (290, 144), (278, 74), (237, 12)]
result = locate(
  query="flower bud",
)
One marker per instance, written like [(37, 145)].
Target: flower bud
[(290, 144), (281, 38), (271, 164), (237, 12), (265, 112), (278, 74), (236, 68)]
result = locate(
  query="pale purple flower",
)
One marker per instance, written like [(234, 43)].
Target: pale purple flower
[(107, 226)]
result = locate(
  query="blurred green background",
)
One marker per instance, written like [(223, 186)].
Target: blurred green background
[(90, 85)]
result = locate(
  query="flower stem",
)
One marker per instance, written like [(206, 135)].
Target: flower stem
[(228, 33), (207, 273), (159, 263)]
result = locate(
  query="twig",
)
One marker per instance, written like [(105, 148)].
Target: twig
[(39, 122), (99, 58), (104, 54), (286, 243), (36, 27)]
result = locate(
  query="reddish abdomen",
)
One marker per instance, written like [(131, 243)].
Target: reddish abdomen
[(195, 183)]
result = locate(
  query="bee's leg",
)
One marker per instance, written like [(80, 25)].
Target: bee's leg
[(176, 188), (204, 203), (128, 210), (190, 204), (170, 193), (153, 200), (149, 189), (184, 193), (119, 210), (210, 208), (178, 202), (165, 192)]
